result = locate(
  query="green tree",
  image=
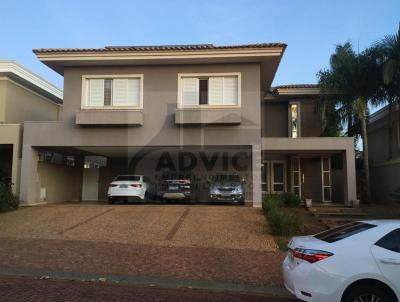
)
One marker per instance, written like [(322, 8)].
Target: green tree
[(351, 83), (389, 48)]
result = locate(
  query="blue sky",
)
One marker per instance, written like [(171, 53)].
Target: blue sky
[(311, 28)]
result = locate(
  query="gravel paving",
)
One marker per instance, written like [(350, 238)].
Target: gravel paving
[(204, 226)]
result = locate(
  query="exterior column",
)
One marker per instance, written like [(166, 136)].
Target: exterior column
[(29, 186), (256, 172), (350, 184)]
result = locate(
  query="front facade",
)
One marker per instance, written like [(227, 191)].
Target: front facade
[(201, 109), (384, 154), (24, 96)]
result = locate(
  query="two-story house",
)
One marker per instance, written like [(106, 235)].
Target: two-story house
[(24, 96), (384, 154), (200, 108)]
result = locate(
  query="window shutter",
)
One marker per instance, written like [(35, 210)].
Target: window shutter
[(126, 92), (230, 91), (215, 85), (190, 91), (133, 92), (96, 92), (120, 97)]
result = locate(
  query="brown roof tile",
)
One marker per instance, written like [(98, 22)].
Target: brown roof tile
[(158, 48)]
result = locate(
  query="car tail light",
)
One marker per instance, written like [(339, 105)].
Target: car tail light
[(136, 185), (113, 185), (187, 181), (311, 255)]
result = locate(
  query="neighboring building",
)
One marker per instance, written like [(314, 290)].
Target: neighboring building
[(204, 108), (384, 154), (24, 96)]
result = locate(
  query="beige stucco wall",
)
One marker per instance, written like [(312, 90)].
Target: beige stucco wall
[(23, 104), (3, 84), (159, 128), (378, 140), (17, 105), (61, 183), (385, 180)]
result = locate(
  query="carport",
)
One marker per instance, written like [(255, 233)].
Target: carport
[(84, 173)]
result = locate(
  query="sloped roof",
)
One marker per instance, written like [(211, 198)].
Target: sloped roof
[(158, 48)]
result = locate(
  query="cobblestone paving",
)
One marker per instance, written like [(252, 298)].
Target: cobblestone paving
[(30, 290)]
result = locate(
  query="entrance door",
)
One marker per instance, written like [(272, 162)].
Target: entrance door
[(90, 184)]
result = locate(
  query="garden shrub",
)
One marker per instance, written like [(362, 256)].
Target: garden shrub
[(283, 222), (271, 201), (8, 201), (290, 200)]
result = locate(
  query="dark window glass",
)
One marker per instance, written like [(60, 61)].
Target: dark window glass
[(203, 90), (227, 177), (344, 231), (107, 92), (128, 177), (390, 241)]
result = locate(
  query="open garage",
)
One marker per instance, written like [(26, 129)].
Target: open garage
[(85, 173)]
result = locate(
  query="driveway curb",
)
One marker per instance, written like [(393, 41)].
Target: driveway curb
[(147, 281)]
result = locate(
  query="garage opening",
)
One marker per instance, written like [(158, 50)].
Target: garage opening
[(6, 155), (213, 170)]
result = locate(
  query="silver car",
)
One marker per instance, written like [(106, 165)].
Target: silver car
[(227, 188)]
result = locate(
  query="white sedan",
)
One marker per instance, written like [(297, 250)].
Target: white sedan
[(129, 187), (357, 262)]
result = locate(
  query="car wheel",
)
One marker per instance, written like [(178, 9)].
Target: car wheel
[(372, 293), (110, 200), (241, 203)]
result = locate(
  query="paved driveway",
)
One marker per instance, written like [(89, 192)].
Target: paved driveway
[(192, 246), (165, 225)]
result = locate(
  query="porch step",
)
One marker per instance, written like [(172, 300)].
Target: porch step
[(334, 222), (332, 216), (340, 214), (333, 210)]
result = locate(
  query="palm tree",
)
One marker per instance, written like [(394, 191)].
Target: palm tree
[(390, 52), (351, 83)]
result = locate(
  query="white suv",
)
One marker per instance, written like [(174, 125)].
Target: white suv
[(129, 188), (357, 262)]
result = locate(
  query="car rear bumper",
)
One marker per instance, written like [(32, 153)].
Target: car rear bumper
[(175, 195), (306, 278), (128, 192)]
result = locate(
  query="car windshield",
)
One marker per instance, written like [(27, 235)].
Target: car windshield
[(128, 177), (344, 231), (227, 178), (176, 176)]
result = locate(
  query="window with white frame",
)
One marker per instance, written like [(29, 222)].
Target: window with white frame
[(215, 90), (294, 120), (113, 92)]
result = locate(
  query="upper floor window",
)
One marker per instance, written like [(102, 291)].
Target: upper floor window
[(294, 120), (103, 92), (209, 90)]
